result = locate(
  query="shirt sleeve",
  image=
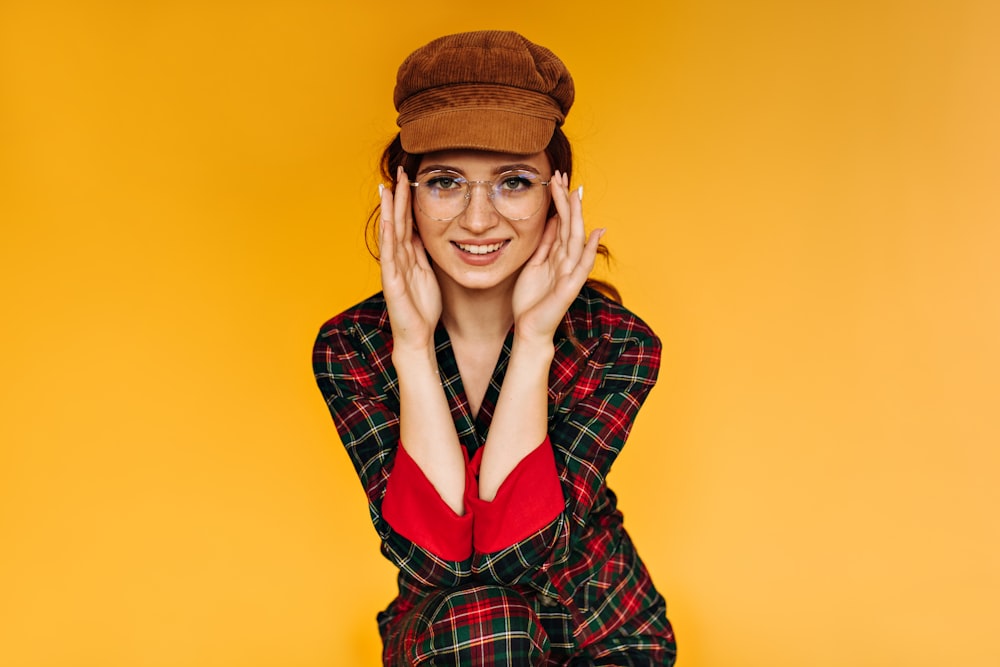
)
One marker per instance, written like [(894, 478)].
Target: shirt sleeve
[(528, 500), (590, 429), (355, 375), (415, 509), (599, 389)]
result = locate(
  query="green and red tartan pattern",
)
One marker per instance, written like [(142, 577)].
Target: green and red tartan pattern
[(478, 625), (600, 597)]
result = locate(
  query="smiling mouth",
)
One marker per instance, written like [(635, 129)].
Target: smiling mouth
[(477, 249)]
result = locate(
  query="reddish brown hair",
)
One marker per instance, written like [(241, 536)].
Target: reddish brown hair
[(560, 155)]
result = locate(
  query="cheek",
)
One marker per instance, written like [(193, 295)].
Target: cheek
[(421, 227), (532, 234), (432, 236), (537, 226)]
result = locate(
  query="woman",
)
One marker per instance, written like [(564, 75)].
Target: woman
[(485, 392)]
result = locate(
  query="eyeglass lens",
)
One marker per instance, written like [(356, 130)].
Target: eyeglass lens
[(515, 195)]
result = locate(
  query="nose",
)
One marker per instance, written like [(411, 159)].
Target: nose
[(479, 215)]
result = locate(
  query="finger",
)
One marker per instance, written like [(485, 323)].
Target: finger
[(402, 205), (545, 244), (576, 234), (420, 253), (411, 227), (588, 257), (380, 229), (561, 201), (384, 215), (385, 203), (386, 251), (566, 220)]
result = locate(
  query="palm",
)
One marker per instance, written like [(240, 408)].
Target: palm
[(551, 279), (542, 294), (412, 295)]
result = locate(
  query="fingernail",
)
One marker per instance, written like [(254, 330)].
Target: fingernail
[(580, 192), (380, 189)]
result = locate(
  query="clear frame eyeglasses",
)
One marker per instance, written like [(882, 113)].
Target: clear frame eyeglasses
[(444, 195)]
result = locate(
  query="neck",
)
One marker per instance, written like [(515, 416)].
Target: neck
[(477, 314)]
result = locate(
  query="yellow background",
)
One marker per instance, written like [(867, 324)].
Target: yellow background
[(802, 199)]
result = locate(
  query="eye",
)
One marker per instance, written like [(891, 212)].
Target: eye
[(444, 182), (515, 182)]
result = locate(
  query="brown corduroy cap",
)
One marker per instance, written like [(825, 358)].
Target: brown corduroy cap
[(487, 90)]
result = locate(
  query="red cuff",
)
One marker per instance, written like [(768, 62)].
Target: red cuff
[(415, 510), (528, 500)]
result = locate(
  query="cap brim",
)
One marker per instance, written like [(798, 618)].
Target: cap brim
[(477, 129)]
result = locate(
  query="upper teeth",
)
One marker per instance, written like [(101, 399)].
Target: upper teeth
[(480, 249)]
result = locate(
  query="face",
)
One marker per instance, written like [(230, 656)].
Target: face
[(479, 248)]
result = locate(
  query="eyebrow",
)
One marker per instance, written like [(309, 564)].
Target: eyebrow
[(500, 169)]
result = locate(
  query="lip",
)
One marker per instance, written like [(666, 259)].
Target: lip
[(484, 258)]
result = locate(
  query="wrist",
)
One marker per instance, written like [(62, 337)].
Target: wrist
[(414, 359), (537, 349)]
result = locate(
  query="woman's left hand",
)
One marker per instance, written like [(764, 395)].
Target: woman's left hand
[(554, 274)]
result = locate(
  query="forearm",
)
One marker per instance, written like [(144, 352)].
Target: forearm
[(426, 429), (520, 421)]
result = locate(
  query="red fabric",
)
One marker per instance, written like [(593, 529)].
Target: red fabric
[(528, 500), (415, 510)]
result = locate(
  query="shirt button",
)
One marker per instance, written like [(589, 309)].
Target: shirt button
[(549, 601)]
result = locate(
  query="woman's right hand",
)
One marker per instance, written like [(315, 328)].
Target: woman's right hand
[(412, 295)]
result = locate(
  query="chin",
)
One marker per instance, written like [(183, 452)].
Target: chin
[(479, 280)]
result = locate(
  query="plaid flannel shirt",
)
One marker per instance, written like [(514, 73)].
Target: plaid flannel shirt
[(579, 567)]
